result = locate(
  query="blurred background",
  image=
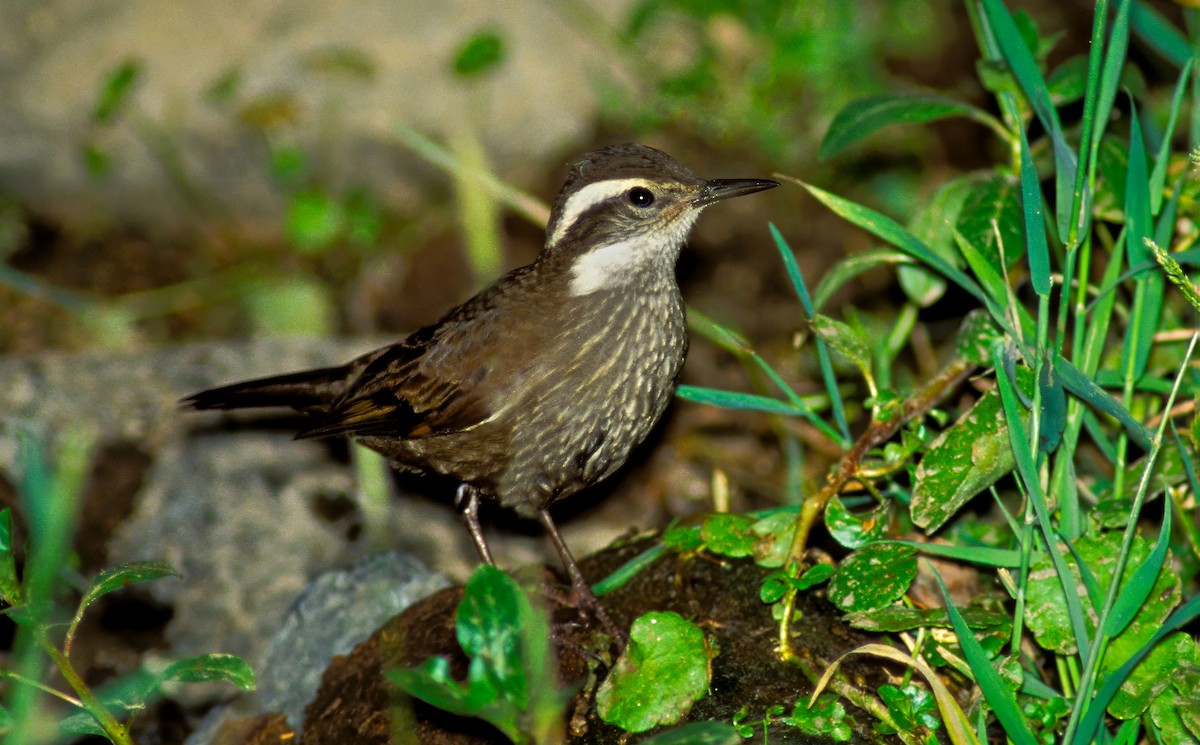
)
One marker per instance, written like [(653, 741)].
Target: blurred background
[(229, 169), (192, 193)]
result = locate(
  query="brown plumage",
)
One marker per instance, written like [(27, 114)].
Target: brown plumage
[(542, 384)]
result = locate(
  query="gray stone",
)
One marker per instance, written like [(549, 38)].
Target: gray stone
[(173, 149), (335, 613)]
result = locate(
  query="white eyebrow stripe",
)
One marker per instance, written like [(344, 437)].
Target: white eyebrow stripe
[(586, 198)]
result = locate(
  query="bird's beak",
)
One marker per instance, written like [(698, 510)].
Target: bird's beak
[(726, 188)]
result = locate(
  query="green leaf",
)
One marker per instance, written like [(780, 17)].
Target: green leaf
[(1090, 722), (1161, 34), (488, 625), (697, 733), (968, 457), (482, 52), (208, 668), (1046, 613), (728, 534), (845, 340), (873, 576), (855, 530), (1035, 230), (735, 400), (823, 718), (683, 538), (10, 588), (991, 219), (1068, 82), (115, 578), (911, 706), (867, 115), (123, 575), (976, 337), (985, 613), (850, 267), (510, 679), (1153, 675), (773, 537), (116, 91), (662, 672), (889, 230), (80, 723), (933, 225)]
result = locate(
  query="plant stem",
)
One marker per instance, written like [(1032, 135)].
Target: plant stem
[(877, 433)]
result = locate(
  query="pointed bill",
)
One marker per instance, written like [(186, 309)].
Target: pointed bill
[(726, 188)]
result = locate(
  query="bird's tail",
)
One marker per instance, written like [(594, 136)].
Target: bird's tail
[(305, 391)]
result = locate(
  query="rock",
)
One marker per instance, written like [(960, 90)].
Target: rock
[(335, 80)]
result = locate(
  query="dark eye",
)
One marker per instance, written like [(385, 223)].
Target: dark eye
[(640, 196)]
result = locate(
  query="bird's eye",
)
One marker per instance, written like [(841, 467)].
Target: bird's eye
[(640, 196)]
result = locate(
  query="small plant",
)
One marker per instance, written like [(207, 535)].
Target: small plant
[(44, 633), (1060, 258), (512, 683), (511, 679)]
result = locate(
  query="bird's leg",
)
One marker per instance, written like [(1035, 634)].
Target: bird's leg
[(581, 593), (467, 501)]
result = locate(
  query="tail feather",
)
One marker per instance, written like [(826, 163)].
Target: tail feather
[(303, 391)]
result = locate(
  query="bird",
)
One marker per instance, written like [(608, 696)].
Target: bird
[(543, 383)]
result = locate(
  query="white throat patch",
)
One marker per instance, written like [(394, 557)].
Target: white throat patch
[(615, 264)]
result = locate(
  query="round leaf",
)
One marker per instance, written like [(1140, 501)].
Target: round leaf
[(873, 576), (664, 670)]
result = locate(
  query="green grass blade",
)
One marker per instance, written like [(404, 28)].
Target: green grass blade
[(865, 116), (525, 205), (1158, 176), (622, 574), (891, 231), (736, 345), (851, 266), (1087, 391), (1160, 34), (1148, 295), (997, 693), (1035, 228), (979, 555), (1024, 68), (1138, 588), (1027, 470), (1110, 75), (998, 301), (739, 401), (806, 304), (1082, 205), (1090, 722)]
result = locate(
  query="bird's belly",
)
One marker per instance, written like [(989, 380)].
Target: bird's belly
[(568, 417), (580, 423)]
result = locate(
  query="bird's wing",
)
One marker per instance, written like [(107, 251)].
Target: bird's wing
[(394, 397)]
